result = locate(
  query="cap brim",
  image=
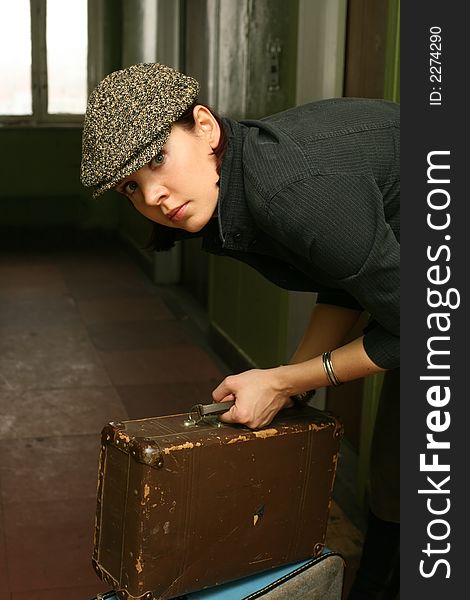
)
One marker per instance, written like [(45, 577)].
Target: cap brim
[(136, 163)]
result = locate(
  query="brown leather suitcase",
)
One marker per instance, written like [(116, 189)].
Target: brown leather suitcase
[(182, 507)]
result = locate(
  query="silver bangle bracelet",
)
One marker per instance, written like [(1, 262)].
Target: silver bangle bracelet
[(328, 366)]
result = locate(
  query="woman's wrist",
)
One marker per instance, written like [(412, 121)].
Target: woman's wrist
[(284, 381), (328, 369), (299, 378)]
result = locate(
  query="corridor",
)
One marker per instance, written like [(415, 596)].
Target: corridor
[(87, 338)]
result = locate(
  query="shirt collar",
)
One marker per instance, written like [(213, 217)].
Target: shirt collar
[(235, 222)]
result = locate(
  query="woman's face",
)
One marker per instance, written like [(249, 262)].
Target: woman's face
[(178, 187)]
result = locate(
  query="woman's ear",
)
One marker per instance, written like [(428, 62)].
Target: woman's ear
[(206, 125)]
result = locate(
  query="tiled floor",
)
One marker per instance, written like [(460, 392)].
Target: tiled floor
[(86, 338)]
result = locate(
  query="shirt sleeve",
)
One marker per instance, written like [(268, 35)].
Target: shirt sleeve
[(338, 298), (337, 223)]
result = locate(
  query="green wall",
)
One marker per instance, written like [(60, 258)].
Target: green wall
[(40, 181), (392, 53), (248, 311)]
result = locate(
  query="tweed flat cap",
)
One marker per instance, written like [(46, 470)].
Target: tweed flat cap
[(128, 119)]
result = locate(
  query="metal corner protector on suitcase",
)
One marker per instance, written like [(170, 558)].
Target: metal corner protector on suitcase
[(181, 508)]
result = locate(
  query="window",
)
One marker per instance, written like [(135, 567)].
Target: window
[(43, 60)]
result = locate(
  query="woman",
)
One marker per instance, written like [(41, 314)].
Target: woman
[(308, 197)]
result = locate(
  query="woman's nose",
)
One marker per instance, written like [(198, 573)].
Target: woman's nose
[(155, 195)]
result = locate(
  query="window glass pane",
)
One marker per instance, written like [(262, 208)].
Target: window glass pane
[(15, 58), (67, 56)]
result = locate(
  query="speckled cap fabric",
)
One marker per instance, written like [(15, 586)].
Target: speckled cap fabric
[(128, 119)]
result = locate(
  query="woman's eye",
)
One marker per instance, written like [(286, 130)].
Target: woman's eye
[(157, 160), (130, 188)]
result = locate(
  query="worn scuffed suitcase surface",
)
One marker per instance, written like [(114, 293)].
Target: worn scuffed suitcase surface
[(319, 578), (184, 508)]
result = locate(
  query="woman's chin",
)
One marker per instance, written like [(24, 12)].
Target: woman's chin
[(195, 225)]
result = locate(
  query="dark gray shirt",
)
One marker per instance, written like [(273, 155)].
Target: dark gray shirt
[(310, 198)]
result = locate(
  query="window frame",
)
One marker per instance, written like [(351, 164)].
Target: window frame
[(39, 84)]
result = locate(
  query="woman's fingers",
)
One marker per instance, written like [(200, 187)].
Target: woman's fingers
[(223, 391), (257, 398)]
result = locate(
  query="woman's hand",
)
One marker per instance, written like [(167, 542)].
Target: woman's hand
[(259, 395)]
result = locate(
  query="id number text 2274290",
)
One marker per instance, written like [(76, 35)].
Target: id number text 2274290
[(435, 66)]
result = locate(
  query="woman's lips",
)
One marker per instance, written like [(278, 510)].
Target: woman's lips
[(177, 214)]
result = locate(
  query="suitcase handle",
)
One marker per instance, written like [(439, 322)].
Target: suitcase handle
[(200, 411), (215, 408)]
